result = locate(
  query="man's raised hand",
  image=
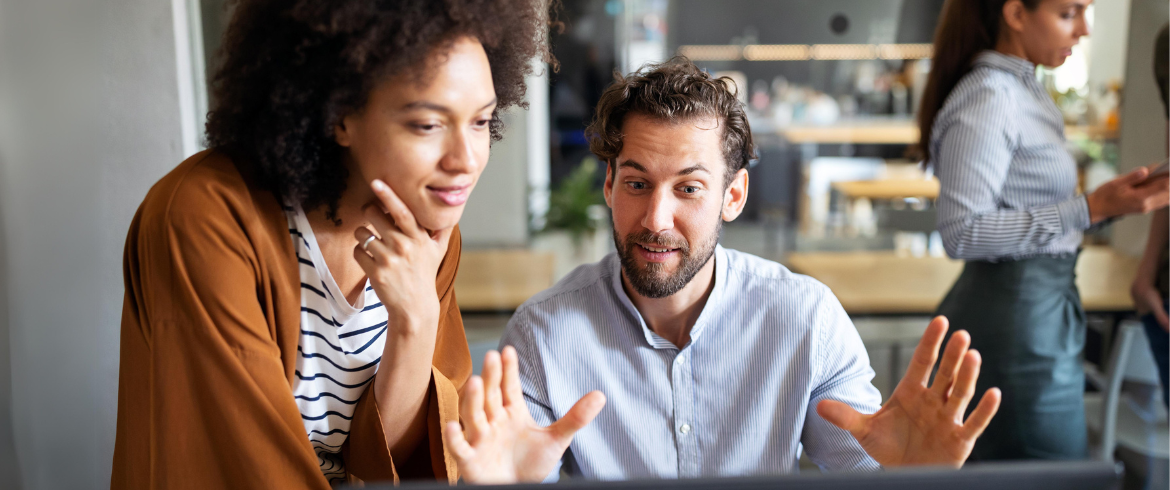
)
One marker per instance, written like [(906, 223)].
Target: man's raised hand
[(920, 424)]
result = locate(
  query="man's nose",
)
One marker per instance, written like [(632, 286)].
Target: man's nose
[(659, 215)]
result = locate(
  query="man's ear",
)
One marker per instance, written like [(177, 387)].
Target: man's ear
[(608, 188), (735, 196), (341, 132), (1013, 15)]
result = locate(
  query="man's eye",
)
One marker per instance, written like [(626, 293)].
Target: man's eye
[(426, 127), (690, 189), (637, 185)]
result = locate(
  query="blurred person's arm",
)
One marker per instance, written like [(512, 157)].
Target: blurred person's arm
[(1146, 297)]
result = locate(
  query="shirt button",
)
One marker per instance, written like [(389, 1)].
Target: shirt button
[(684, 429), (682, 359)]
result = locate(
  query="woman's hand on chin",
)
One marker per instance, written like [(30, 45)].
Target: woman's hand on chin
[(499, 442), (401, 261)]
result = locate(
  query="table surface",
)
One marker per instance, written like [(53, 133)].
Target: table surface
[(501, 280), (888, 188), (884, 283), (893, 131)]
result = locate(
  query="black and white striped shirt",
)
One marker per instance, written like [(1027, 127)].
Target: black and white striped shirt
[(338, 352), (1008, 184), (739, 399)]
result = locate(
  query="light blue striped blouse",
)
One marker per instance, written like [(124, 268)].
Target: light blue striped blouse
[(739, 399), (1008, 184)]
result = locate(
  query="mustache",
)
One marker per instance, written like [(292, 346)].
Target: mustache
[(657, 239)]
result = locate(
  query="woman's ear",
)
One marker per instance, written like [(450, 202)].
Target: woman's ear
[(1013, 15), (341, 132), (735, 196)]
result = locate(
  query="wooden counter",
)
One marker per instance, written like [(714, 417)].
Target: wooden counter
[(882, 283), (890, 132), (896, 132), (501, 280), (888, 188)]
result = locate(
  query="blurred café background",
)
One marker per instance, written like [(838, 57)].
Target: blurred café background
[(111, 97)]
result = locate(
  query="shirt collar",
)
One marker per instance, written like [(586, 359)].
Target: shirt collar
[(710, 308), (1011, 64)]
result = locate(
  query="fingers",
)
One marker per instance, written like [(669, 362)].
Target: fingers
[(949, 366), (583, 412), (982, 414), (362, 257), (456, 443), (1134, 177), (926, 353), (841, 415), (471, 410), (1162, 319), (492, 373), (513, 394), (443, 237), (397, 209), (964, 387), (381, 222), (377, 249)]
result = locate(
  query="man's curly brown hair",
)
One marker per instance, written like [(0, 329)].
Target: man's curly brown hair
[(292, 69), (674, 91)]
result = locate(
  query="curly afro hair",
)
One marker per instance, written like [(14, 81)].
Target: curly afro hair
[(292, 69)]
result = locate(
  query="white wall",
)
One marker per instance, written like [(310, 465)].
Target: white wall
[(516, 179), (1143, 120), (1108, 41), (497, 213), (90, 119)]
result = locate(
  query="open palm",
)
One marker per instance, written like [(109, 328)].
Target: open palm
[(499, 442), (921, 424)]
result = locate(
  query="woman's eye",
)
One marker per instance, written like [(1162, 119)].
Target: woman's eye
[(426, 127), (483, 123)]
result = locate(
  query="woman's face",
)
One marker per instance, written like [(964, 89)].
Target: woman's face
[(427, 137), (1048, 33)]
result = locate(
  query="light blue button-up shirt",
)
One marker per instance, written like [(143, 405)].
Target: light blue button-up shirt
[(1008, 185), (739, 399)]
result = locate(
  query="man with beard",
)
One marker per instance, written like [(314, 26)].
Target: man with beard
[(714, 362)]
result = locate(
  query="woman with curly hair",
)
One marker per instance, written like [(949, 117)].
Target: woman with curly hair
[(289, 318)]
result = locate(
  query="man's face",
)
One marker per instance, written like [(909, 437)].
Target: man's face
[(666, 192)]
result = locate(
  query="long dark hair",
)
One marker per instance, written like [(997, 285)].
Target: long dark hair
[(965, 27)]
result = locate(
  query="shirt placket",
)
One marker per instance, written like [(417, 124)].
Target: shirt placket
[(685, 426)]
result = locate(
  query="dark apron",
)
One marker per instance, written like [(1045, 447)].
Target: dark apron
[(1026, 320)]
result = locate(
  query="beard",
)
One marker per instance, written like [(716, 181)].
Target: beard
[(654, 280)]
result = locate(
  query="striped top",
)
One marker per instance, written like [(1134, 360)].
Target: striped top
[(338, 351), (738, 399), (1008, 184)]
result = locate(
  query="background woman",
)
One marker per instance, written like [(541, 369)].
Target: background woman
[(289, 318), (1009, 206)]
